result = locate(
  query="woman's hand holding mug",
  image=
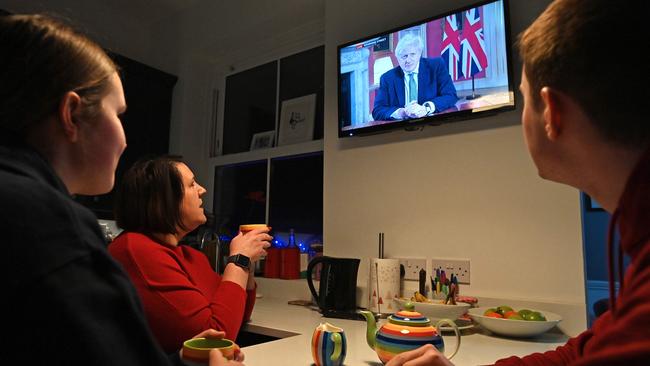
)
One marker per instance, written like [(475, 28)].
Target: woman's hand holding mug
[(251, 241), (200, 353)]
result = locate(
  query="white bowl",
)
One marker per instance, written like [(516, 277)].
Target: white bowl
[(515, 328), (435, 309)]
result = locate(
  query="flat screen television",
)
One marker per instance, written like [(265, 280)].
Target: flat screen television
[(450, 67)]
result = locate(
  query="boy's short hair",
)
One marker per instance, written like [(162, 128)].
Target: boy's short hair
[(591, 50)]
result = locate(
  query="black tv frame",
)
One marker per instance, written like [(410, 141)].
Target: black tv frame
[(436, 119)]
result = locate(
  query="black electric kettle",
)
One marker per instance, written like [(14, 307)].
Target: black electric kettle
[(337, 293)]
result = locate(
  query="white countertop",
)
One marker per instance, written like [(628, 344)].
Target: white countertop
[(275, 317)]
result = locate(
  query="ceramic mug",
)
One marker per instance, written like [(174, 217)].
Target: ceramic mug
[(328, 345), (262, 263), (196, 351), (245, 228)]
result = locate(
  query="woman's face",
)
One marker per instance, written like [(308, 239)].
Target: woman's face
[(102, 142), (192, 213)]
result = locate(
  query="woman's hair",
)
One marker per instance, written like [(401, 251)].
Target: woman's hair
[(41, 59), (148, 199), (590, 49)]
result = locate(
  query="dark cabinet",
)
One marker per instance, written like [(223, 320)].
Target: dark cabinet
[(239, 195), (302, 74), (254, 97), (250, 106), (281, 186), (295, 194), (148, 93)]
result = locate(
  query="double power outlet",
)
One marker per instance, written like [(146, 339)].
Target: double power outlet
[(457, 267)]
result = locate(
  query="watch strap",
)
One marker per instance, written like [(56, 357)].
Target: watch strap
[(240, 260)]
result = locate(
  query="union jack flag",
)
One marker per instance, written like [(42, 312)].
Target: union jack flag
[(451, 46), (474, 58)]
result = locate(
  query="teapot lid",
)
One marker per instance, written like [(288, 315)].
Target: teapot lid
[(410, 318)]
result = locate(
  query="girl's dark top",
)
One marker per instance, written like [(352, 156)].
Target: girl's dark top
[(66, 301)]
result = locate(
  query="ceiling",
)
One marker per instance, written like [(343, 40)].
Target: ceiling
[(222, 31), (144, 12), (151, 11)]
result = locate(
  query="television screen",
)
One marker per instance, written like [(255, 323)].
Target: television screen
[(447, 68)]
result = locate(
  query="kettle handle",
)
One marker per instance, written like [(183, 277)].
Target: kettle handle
[(310, 268)]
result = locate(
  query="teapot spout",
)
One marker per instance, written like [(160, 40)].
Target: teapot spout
[(371, 328)]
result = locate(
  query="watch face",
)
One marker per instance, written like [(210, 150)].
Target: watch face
[(244, 260)]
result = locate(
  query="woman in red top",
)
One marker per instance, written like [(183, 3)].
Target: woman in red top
[(157, 204)]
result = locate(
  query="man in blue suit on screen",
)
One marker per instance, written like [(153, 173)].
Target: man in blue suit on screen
[(418, 87)]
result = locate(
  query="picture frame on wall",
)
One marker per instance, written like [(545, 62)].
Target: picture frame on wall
[(297, 120), (262, 140)]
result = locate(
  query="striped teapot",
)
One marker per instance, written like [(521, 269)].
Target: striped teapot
[(404, 331)]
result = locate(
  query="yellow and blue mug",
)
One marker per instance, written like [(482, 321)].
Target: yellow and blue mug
[(328, 345)]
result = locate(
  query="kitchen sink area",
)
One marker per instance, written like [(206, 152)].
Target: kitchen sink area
[(251, 335)]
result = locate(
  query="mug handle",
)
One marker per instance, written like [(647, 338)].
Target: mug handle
[(453, 325), (336, 338), (237, 352)]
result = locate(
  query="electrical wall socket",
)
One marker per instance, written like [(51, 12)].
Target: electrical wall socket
[(412, 267), (459, 267)]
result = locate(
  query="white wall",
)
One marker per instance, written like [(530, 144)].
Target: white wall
[(104, 22), (459, 191)]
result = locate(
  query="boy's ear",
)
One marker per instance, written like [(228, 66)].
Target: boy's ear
[(552, 101), (69, 109)]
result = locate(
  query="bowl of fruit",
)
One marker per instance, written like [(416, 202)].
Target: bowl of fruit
[(505, 320)]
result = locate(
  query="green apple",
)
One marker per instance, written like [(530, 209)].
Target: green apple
[(514, 316), (534, 316), (524, 312), (503, 309)]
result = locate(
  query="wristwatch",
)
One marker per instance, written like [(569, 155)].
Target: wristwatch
[(430, 107), (240, 260)]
